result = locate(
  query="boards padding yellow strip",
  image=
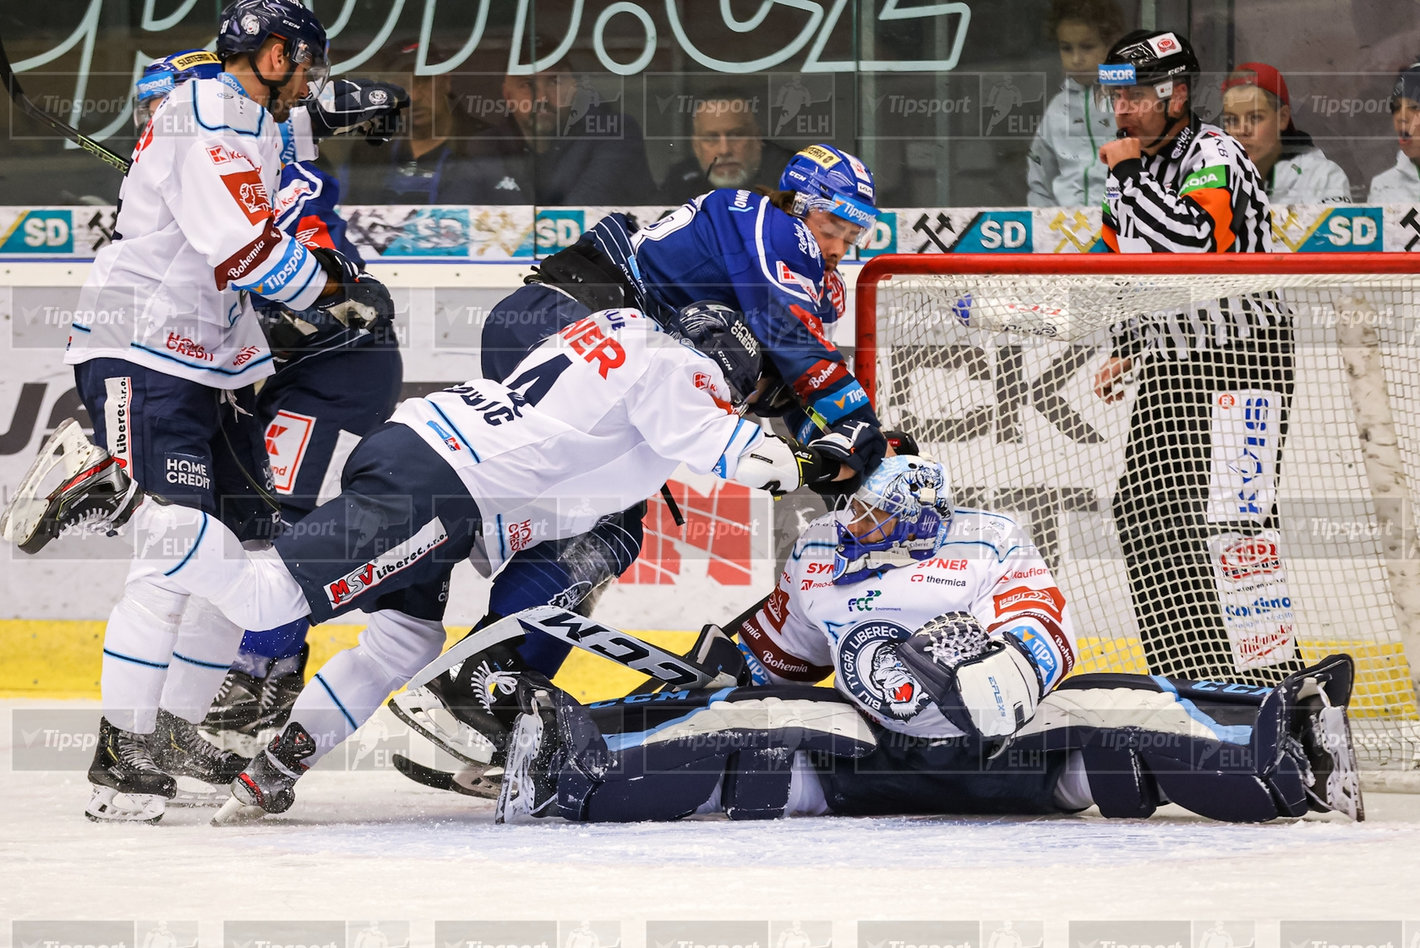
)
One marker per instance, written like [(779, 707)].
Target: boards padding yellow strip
[(60, 659)]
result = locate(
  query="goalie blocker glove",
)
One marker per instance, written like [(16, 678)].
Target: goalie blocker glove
[(986, 684), (360, 301), (347, 106)]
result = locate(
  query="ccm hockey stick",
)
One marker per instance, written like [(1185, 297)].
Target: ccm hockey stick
[(63, 128), (613, 644), (663, 667)]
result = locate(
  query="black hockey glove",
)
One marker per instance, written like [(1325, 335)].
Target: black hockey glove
[(859, 444), (358, 105), (360, 301)]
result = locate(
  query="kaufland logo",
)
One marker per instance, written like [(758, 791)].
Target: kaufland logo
[(1122, 75)]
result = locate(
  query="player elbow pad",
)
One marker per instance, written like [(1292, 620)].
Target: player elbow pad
[(777, 465)]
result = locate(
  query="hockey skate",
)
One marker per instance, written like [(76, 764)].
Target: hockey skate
[(194, 762), (128, 785), (268, 784), (1326, 739), (1318, 735), (73, 484), (279, 689), (529, 788), (231, 721), (468, 712)]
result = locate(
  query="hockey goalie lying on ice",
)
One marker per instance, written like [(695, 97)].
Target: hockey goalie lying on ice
[(951, 644)]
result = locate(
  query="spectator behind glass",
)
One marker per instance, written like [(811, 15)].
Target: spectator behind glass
[(729, 149), (1401, 183), (557, 143), (433, 162), (1063, 166), (1257, 111)]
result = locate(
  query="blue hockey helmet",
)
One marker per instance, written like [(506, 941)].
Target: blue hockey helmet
[(246, 25), (162, 76), (823, 178), (899, 516), (720, 332)]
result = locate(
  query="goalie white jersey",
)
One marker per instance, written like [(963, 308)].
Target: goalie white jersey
[(810, 627), (593, 420), (195, 233)]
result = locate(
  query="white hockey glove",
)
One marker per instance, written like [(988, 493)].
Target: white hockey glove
[(984, 683), (347, 106), (779, 466)]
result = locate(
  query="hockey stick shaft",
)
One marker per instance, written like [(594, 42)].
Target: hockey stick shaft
[(12, 85), (612, 644)]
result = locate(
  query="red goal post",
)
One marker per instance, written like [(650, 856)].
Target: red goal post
[(958, 347)]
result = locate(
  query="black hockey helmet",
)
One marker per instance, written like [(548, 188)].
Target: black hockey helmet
[(720, 332), (246, 25), (1149, 57)]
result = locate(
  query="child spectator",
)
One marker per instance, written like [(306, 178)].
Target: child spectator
[(1401, 184), (1257, 111), (1064, 166)]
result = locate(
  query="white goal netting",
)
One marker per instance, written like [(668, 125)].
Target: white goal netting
[(1246, 501)]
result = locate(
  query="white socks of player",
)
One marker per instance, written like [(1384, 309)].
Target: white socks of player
[(351, 686)]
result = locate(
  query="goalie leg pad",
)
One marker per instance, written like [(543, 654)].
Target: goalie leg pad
[(659, 757)]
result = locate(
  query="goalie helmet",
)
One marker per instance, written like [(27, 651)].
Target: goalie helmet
[(898, 517), (246, 25), (721, 333), (162, 76), (826, 179), (1149, 58)]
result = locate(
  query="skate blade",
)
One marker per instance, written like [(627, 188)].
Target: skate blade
[(427, 717), (193, 792), (108, 805), (236, 813), (66, 446)]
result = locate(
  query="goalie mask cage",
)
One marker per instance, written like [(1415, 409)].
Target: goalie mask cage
[(990, 361)]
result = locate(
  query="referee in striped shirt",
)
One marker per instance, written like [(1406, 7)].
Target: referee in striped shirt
[(1215, 384)]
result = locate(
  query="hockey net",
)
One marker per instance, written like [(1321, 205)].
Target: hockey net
[(990, 361)]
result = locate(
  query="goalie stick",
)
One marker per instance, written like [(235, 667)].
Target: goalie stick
[(7, 73)]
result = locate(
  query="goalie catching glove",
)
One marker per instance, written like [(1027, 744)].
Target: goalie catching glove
[(359, 301), (348, 106), (984, 683)]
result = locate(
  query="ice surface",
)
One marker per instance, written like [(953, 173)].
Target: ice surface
[(370, 844)]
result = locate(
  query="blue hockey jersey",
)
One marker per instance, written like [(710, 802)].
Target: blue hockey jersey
[(735, 247)]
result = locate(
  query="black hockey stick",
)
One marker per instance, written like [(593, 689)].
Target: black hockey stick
[(67, 131)]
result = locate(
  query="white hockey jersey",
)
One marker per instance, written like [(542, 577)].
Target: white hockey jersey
[(195, 233), (1398, 184), (810, 627), (1063, 166), (592, 421)]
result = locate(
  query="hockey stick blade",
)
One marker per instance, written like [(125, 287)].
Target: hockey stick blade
[(12, 85), (615, 645), (444, 780)]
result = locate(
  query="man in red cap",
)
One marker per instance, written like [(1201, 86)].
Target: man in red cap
[(1257, 111), (1400, 184)]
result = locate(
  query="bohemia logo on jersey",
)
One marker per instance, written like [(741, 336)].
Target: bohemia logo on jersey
[(382, 567)]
